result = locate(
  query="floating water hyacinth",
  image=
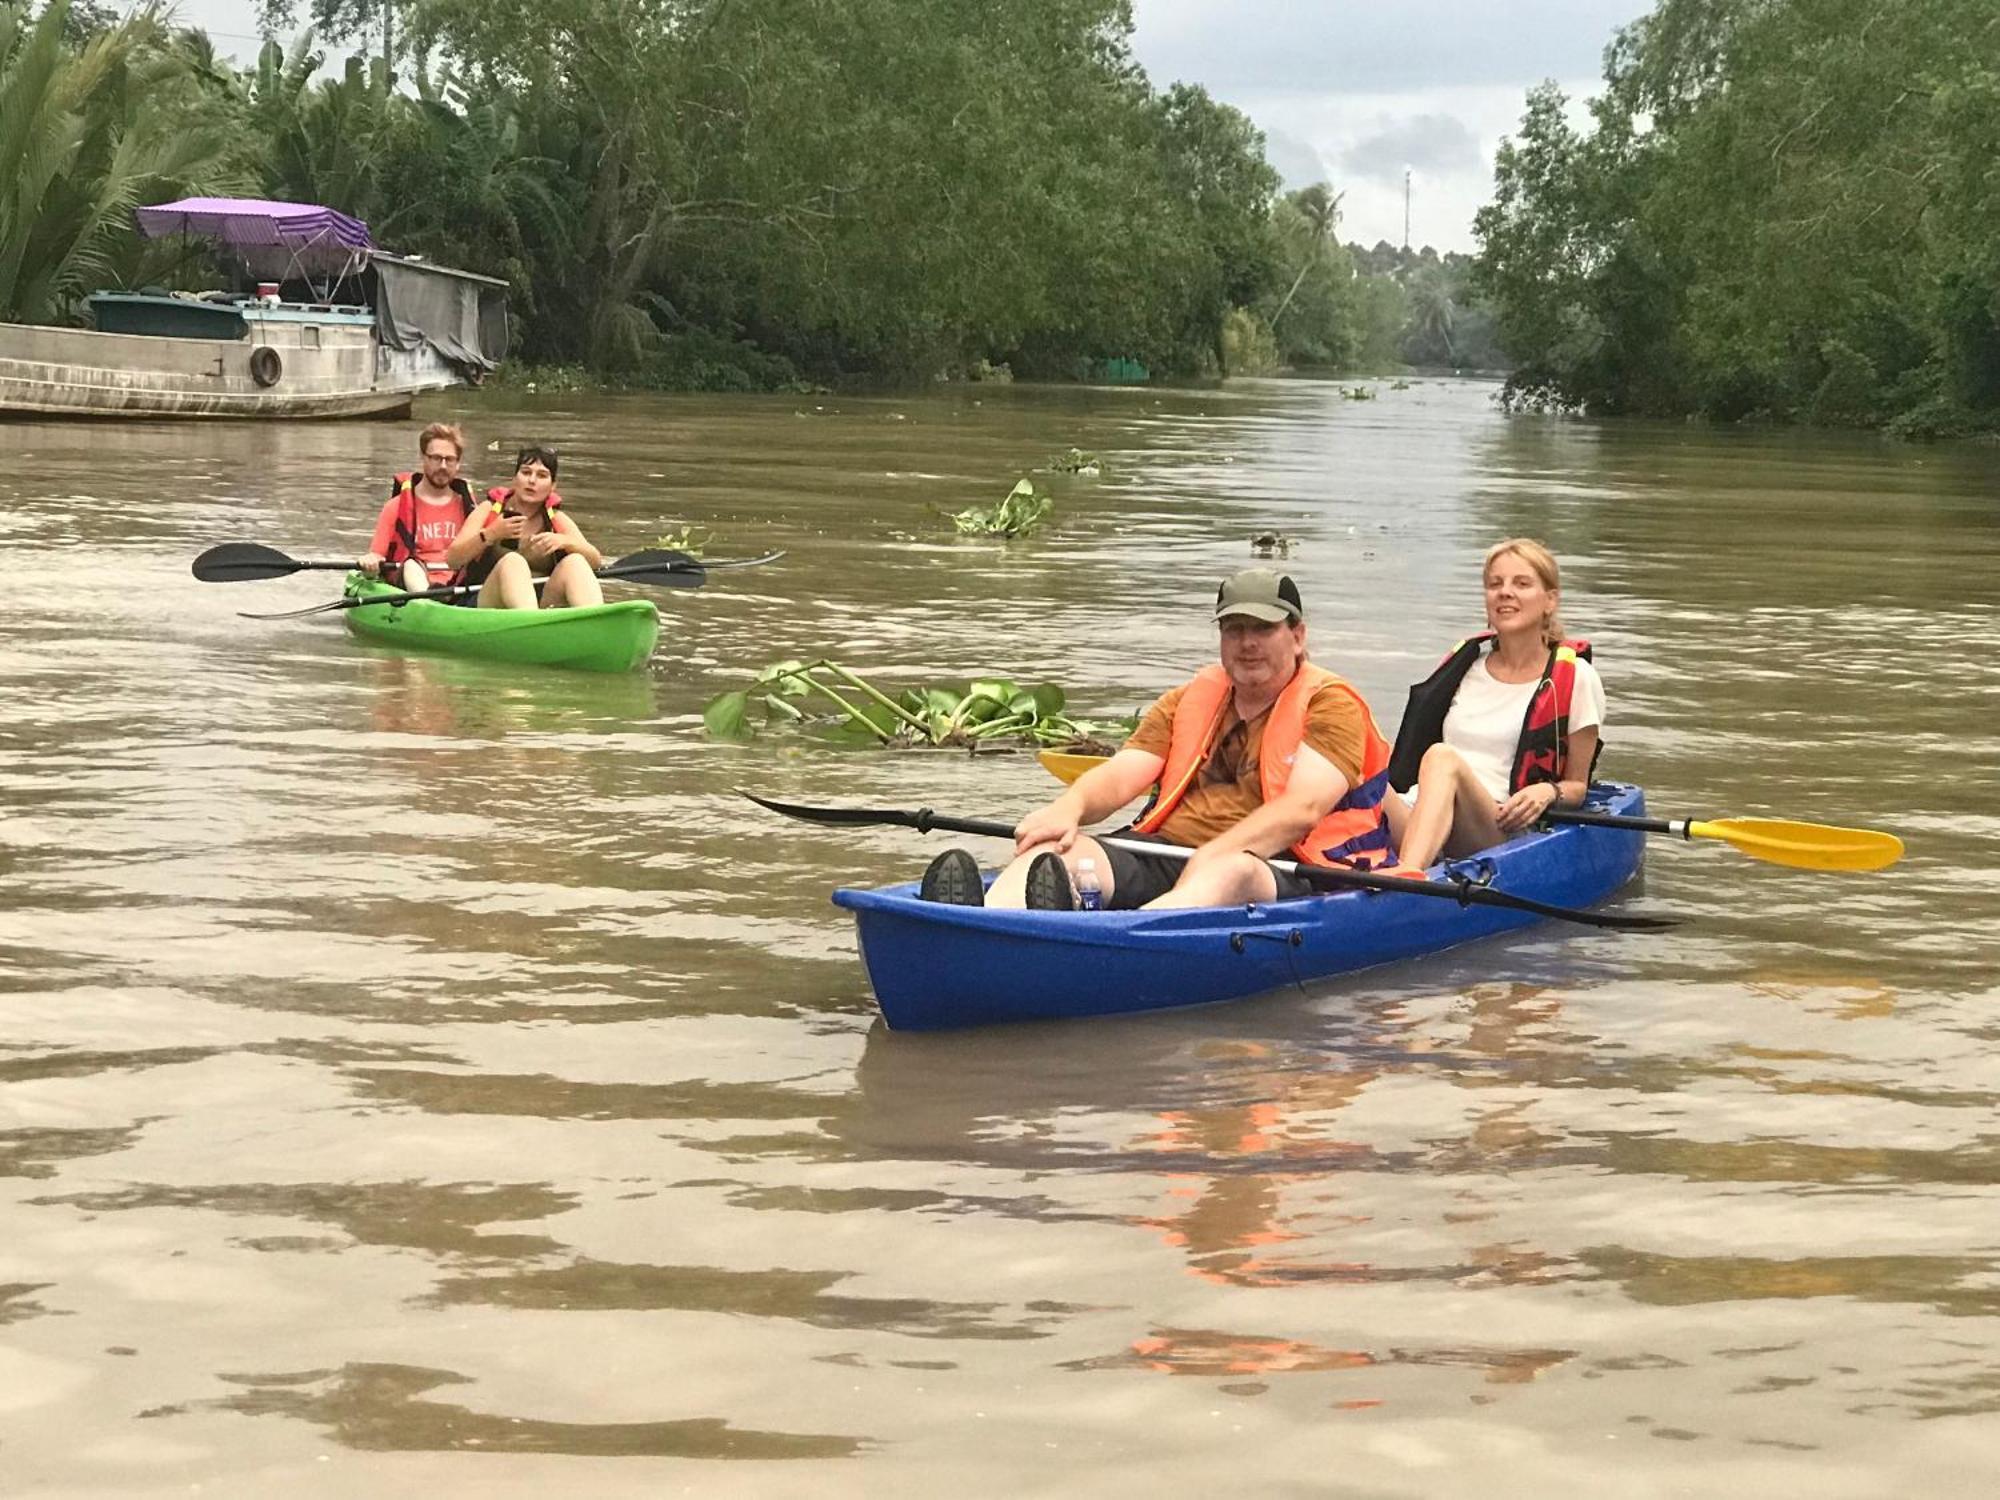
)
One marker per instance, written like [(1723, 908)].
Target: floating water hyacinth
[(828, 699)]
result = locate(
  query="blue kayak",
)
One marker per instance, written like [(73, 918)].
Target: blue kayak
[(935, 966)]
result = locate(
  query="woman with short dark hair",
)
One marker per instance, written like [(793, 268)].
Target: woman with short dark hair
[(519, 533)]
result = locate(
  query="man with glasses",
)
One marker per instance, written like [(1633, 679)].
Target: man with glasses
[(422, 516)]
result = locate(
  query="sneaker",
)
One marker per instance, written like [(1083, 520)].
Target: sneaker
[(953, 878), (1048, 884)]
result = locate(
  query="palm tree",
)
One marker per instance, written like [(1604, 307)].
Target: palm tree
[(85, 137), (1319, 207)]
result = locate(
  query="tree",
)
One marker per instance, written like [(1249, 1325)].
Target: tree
[(1782, 208), (86, 136), (335, 20), (1319, 212)]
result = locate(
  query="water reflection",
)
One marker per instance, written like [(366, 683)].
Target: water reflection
[(383, 1408)]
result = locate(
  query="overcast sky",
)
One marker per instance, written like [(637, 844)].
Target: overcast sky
[(1349, 91)]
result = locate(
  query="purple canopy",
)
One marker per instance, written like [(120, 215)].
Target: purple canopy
[(313, 238)]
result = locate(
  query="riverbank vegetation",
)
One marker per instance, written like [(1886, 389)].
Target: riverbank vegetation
[(1777, 209), (705, 195)]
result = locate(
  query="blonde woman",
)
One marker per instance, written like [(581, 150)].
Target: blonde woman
[(1505, 729)]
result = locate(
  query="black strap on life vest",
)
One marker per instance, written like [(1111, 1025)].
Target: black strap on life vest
[(1430, 700), (403, 539)]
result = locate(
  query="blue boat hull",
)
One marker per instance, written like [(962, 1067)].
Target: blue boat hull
[(935, 966)]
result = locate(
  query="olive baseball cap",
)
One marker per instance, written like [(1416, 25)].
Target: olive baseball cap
[(1260, 593)]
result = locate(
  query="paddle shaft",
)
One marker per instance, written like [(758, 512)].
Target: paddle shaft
[(1320, 875), (1677, 826), (1461, 891)]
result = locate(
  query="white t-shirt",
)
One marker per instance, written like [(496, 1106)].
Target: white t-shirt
[(1484, 722)]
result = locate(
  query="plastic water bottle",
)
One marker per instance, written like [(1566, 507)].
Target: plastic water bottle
[(1089, 894)]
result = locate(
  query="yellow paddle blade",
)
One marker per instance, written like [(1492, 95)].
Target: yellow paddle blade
[(1066, 768), (1806, 846)]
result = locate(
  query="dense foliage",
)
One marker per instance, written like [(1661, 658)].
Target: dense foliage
[(720, 193), (1780, 208)]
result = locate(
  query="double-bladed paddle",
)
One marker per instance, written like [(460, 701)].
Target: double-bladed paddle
[(655, 565), (1463, 891), (1803, 846)]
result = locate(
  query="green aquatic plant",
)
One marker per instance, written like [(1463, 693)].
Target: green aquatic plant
[(827, 698), (1076, 461), (689, 539), (1021, 512), (1357, 393)]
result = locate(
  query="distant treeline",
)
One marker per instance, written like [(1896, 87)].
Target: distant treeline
[(1783, 209), (725, 193)]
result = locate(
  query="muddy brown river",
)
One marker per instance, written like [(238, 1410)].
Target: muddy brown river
[(559, 1149)]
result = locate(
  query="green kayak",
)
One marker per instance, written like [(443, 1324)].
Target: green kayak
[(601, 638)]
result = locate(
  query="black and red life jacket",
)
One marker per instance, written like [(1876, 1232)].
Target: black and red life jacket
[(1541, 754)]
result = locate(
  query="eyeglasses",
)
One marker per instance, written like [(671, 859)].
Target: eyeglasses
[(441, 458)]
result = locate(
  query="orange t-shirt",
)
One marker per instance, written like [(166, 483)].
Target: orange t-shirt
[(1229, 786), (437, 529)]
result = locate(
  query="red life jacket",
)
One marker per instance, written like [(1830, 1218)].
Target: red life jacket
[(500, 495), (1353, 833), (403, 540), (1542, 752)]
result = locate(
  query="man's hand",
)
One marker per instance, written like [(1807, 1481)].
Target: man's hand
[(1055, 824)]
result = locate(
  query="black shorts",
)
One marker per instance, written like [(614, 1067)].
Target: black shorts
[(1139, 878)]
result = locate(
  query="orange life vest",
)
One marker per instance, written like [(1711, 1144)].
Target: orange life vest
[(1353, 833)]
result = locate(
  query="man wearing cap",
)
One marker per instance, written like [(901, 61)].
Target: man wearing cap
[(1262, 755)]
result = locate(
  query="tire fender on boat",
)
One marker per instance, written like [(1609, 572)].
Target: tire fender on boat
[(265, 366)]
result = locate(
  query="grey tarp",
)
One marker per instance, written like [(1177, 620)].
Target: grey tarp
[(462, 316)]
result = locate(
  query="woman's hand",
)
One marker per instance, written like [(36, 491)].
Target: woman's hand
[(505, 528), (545, 546), (1525, 808)]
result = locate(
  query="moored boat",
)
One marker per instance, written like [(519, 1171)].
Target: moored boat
[(320, 322), (615, 637), (935, 966)]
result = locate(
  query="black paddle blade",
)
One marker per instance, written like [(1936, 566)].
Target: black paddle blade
[(243, 562), (659, 566), (1612, 920), (664, 568), (851, 816), (743, 562)]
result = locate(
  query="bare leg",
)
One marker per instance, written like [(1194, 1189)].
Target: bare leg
[(1010, 886), (1454, 813), (572, 585), (416, 577), (511, 585), (1229, 881)]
